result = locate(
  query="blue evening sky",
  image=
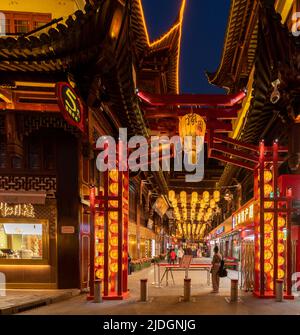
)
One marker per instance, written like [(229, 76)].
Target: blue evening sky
[(202, 41)]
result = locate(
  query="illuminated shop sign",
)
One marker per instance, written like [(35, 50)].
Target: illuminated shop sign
[(243, 216), (70, 105), (161, 206), (220, 230), (19, 210)]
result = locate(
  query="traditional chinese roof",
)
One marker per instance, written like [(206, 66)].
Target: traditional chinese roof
[(239, 46), (169, 43), (72, 46), (63, 45), (276, 58)]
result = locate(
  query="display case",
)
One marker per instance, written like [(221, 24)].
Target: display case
[(24, 241)]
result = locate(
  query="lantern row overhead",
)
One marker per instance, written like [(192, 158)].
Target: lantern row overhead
[(201, 208), (190, 231)]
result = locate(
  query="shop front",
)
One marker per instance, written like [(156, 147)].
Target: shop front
[(146, 242), (235, 238), (28, 256), (218, 237), (292, 182)]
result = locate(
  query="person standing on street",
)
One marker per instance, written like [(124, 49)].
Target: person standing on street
[(216, 263), (173, 256), (180, 254)]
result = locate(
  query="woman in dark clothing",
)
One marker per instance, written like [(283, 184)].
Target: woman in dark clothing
[(129, 265), (216, 263)]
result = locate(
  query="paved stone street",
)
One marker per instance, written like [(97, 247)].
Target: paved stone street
[(166, 300), (18, 300)]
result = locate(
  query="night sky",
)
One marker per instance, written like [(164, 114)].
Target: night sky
[(202, 41)]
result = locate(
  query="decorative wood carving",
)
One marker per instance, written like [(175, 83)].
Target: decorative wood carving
[(29, 183)]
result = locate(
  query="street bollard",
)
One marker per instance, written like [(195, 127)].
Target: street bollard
[(98, 292), (155, 279), (187, 289), (279, 290), (234, 290), (144, 290)]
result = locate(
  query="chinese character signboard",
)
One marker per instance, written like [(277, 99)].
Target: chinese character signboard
[(243, 216), (21, 210)]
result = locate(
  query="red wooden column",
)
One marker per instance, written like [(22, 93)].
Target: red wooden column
[(275, 216), (92, 199), (261, 217), (106, 235), (289, 246), (256, 233), (125, 215)]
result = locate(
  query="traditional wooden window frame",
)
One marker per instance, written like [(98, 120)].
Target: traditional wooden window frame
[(31, 17)]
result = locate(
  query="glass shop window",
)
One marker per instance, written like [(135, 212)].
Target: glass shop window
[(38, 24), (21, 241), (21, 26), (4, 24), (236, 247), (13, 23)]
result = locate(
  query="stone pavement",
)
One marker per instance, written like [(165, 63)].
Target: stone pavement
[(166, 300), (20, 300)]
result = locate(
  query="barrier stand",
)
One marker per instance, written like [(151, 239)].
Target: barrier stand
[(98, 291), (240, 274), (155, 282), (187, 289), (279, 290), (158, 275), (144, 290)]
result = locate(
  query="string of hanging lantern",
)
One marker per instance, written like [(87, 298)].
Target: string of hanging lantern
[(193, 212)]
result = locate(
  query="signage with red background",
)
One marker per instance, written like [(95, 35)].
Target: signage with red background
[(70, 105)]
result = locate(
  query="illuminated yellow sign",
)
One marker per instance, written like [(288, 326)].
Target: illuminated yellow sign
[(20, 210), (243, 216)]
